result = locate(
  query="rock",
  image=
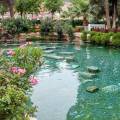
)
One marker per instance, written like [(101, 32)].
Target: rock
[(93, 69), (87, 75), (86, 81), (92, 89)]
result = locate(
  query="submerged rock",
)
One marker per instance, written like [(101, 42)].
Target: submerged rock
[(69, 59), (111, 88), (87, 75), (54, 57), (75, 66), (49, 51), (93, 69), (92, 89), (67, 53)]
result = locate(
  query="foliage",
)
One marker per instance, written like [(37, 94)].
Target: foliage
[(80, 8), (28, 57), (27, 6), (53, 5), (116, 40), (59, 29), (3, 9), (99, 38), (46, 26), (69, 30), (84, 36), (16, 26), (15, 88)]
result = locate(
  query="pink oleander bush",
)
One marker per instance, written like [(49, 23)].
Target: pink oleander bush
[(16, 81)]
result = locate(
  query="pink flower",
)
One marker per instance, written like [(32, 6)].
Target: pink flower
[(10, 52), (33, 80), (18, 70), (14, 70), (21, 71)]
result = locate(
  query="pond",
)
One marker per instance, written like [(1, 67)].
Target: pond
[(61, 93)]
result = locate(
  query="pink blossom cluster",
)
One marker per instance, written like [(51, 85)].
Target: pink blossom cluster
[(10, 52), (33, 80), (18, 70)]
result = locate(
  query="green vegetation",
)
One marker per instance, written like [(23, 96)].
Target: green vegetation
[(16, 26), (27, 6), (100, 38), (53, 5), (15, 86), (3, 10)]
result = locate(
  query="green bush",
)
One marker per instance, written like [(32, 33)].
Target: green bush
[(28, 57), (68, 29), (105, 38), (46, 27), (100, 38), (116, 40), (16, 26), (84, 36), (15, 103)]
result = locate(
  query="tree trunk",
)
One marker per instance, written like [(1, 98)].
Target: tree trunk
[(114, 18), (11, 11), (107, 13)]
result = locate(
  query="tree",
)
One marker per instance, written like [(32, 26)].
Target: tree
[(111, 9), (10, 4), (53, 5), (80, 8), (3, 9), (27, 6), (107, 13)]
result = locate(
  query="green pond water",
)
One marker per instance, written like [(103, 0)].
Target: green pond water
[(61, 93)]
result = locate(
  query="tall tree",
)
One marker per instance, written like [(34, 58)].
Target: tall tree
[(10, 4), (53, 5), (107, 13), (27, 6)]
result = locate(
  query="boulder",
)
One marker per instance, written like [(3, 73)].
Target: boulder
[(92, 89), (93, 69)]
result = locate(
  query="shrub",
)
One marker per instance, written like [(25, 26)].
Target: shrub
[(16, 26), (105, 38), (46, 27), (68, 29), (84, 36), (15, 86), (116, 40), (28, 57)]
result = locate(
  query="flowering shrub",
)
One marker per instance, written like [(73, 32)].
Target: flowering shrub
[(16, 82)]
